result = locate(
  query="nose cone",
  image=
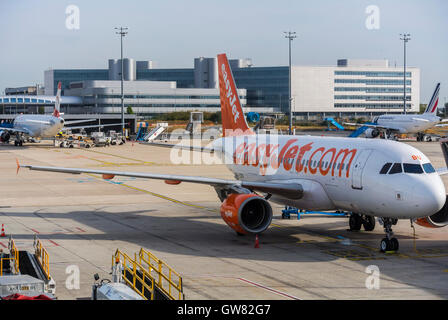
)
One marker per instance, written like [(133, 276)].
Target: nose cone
[(429, 195)]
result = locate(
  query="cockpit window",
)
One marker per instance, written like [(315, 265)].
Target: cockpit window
[(428, 168), (412, 168), (396, 168), (385, 168)]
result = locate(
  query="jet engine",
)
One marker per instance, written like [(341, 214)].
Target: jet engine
[(246, 213), (437, 220), (4, 136), (372, 133)]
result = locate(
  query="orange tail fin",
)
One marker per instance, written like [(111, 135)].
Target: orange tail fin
[(233, 119)]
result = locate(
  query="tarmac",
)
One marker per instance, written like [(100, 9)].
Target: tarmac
[(83, 219)]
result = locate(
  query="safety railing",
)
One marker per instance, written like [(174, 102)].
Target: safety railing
[(2, 261), (42, 256), (14, 255), (139, 276), (168, 280)]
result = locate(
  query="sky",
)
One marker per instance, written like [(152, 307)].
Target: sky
[(35, 35)]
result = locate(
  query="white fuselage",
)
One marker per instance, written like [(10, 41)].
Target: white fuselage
[(408, 123), (42, 126), (338, 173)]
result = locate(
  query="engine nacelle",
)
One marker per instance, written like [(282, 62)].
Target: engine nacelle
[(437, 220), (4, 136), (246, 213), (372, 133)]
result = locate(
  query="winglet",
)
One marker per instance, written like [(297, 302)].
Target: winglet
[(18, 166)]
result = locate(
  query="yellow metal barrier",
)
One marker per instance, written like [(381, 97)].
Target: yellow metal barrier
[(132, 267), (169, 281), (14, 254), (1, 264), (42, 256), (13, 257)]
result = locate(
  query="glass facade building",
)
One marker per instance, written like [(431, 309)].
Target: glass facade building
[(351, 86)]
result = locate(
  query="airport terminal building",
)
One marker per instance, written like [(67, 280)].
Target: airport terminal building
[(350, 88)]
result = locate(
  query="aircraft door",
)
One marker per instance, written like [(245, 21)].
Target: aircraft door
[(358, 168)]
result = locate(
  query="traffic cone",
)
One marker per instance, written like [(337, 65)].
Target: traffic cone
[(3, 231), (257, 243)]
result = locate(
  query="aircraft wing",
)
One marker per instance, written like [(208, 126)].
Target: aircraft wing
[(78, 121), (92, 126), (180, 146), (14, 130), (288, 190), (372, 125), (442, 171)]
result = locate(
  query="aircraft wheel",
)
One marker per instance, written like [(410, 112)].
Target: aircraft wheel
[(20, 143), (395, 244), (389, 245), (385, 245), (369, 223), (355, 222), (16, 143)]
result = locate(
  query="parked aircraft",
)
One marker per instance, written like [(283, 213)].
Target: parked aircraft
[(371, 178), (41, 126), (391, 124)]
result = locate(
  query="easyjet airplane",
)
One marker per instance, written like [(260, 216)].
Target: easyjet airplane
[(371, 178)]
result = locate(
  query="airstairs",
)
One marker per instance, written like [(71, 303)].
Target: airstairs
[(333, 122), (155, 132), (358, 132), (148, 277)]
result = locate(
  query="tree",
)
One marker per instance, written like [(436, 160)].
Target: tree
[(422, 107), (129, 110)]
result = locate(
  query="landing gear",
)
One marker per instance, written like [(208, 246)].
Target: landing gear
[(420, 136), (357, 220), (19, 140), (389, 243)]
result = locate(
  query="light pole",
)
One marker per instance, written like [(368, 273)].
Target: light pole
[(405, 37), (290, 35), (122, 32)]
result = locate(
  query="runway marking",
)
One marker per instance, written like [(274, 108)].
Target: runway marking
[(34, 230), (154, 194), (113, 155), (57, 245), (269, 289), (3, 245)]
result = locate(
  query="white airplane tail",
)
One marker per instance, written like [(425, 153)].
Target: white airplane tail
[(57, 104), (432, 106)]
